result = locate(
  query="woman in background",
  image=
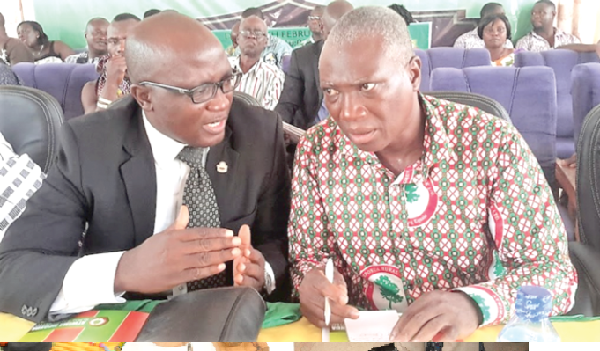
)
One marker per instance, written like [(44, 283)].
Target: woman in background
[(495, 31), (43, 49)]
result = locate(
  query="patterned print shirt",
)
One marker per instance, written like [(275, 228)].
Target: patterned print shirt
[(264, 82), (474, 214), (19, 179), (535, 43), (274, 52)]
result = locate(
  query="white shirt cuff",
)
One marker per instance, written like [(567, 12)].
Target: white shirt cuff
[(269, 272), (90, 281)]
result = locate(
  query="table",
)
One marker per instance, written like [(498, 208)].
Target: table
[(565, 176), (569, 329)]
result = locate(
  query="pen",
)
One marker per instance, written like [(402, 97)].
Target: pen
[(329, 276)]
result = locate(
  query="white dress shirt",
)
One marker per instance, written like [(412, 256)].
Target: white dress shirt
[(90, 280)]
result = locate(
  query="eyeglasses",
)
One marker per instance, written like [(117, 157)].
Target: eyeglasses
[(204, 92), (315, 18), (494, 30), (256, 35)]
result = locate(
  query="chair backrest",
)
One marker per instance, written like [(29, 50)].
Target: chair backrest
[(586, 93), (527, 94), (483, 103), (450, 57), (33, 125), (64, 81), (588, 180), (285, 63), (250, 100), (562, 62)]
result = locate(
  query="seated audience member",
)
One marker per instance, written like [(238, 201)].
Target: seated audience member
[(179, 139), (151, 13), (403, 12), (313, 22), (12, 50), (545, 36), (235, 32), (276, 49), (471, 40), (495, 31), (427, 207), (7, 76), (113, 82), (301, 101), (43, 49), (260, 79), (19, 179), (95, 36)]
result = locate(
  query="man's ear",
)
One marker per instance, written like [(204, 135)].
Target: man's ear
[(414, 71), (143, 95)]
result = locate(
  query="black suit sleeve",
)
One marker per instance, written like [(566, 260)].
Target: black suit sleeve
[(291, 97), (40, 247), (269, 232)]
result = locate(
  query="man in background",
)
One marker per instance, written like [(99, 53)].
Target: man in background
[(276, 48), (314, 25), (260, 79), (235, 32), (471, 40), (12, 50), (95, 36)]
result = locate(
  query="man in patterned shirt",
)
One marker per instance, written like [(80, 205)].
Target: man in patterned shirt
[(544, 35), (427, 207), (261, 80)]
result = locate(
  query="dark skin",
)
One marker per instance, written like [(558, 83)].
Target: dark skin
[(116, 67), (252, 46), (201, 60), (235, 31), (315, 24), (96, 37), (542, 16), (30, 37), (494, 36), (377, 106)]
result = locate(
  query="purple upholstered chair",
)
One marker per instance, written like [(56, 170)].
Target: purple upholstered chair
[(527, 94), (450, 57), (64, 81), (562, 62), (586, 93)]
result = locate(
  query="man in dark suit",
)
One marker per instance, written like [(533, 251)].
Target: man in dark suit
[(181, 136), (301, 102)]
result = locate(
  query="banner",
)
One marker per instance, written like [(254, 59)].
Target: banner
[(66, 19)]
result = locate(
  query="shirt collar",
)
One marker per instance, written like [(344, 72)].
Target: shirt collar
[(435, 143), (164, 149), (237, 64)]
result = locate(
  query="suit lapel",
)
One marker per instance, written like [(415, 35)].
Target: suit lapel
[(139, 177), (317, 52), (221, 166)]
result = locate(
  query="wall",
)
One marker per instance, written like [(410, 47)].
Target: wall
[(65, 19)]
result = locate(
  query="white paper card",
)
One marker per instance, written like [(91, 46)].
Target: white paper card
[(371, 326)]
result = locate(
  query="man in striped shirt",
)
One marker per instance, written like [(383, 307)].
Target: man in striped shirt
[(262, 80)]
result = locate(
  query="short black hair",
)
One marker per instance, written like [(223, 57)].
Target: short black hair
[(151, 13), (403, 12), (490, 19), (125, 16), (487, 8), (547, 2), (253, 11)]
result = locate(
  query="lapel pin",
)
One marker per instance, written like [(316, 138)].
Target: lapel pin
[(222, 167)]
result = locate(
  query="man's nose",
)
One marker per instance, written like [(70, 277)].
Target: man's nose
[(350, 108)]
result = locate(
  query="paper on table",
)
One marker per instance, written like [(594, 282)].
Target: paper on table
[(371, 326)]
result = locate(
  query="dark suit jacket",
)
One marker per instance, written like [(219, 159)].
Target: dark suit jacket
[(105, 175), (301, 97)]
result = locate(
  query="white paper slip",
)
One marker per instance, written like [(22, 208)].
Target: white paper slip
[(371, 326)]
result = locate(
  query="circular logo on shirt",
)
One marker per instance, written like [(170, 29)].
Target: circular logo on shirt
[(385, 290), (270, 58), (96, 322), (421, 202)]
